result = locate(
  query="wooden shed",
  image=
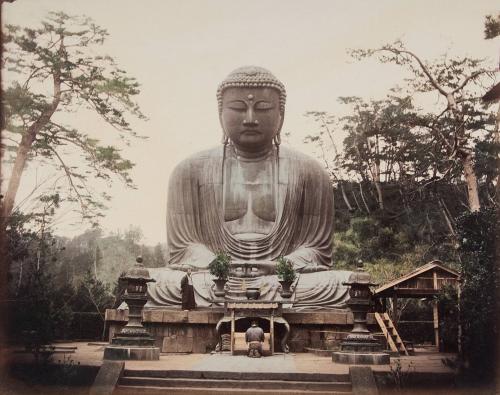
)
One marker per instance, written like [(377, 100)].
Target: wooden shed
[(423, 282)]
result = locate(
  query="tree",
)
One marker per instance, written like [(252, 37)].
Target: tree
[(158, 256), (478, 240), (382, 142), (459, 82), (491, 26), (93, 295), (39, 308), (60, 57)]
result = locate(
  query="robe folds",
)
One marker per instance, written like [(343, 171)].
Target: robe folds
[(302, 232)]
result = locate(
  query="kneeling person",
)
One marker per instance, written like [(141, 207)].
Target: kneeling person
[(254, 337)]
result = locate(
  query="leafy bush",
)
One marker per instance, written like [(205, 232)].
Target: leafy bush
[(448, 311), (285, 270), (478, 304), (219, 267)]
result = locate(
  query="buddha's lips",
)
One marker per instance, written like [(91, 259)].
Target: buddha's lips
[(251, 131)]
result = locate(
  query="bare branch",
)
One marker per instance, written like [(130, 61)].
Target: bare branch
[(423, 67)]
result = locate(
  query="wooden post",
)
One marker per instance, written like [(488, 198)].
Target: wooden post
[(232, 332), (435, 311), (271, 333), (395, 309), (435, 316), (459, 340)]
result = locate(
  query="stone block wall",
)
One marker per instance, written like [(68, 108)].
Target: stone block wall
[(178, 331)]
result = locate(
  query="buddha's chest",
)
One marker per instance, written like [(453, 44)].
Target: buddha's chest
[(249, 198)]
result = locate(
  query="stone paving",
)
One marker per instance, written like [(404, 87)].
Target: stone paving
[(277, 363), (91, 354)]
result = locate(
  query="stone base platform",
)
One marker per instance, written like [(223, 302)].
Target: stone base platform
[(178, 331), (359, 358), (126, 353)]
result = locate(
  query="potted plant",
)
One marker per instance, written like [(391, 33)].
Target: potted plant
[(219, 268), (286, 276)]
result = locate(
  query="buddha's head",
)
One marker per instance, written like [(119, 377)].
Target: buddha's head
[(251, 108)]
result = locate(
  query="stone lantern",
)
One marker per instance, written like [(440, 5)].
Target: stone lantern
[(360, 347), (134, 341)]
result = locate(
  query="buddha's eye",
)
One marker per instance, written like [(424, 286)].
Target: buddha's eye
[(264, 105), (237, 105)]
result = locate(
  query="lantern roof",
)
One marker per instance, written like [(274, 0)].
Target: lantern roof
[(138, 272), (360, 277)]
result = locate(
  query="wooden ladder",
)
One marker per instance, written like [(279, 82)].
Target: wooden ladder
[(391, 334)]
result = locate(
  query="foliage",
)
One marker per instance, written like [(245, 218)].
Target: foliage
[(400, 376), (41, 310), (62, 57), (55, 282), (459, 117), (219, 267), (404, 174), (105, 255), (477, 234), (68, 370), (285, 270), (449, 318), (93, 295), (391, 247), (492, 26)]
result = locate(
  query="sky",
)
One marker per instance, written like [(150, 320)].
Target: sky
[(180, 50)]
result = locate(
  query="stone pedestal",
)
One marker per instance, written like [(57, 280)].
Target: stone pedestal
[(119, 352), (360, 358), (361, 349)]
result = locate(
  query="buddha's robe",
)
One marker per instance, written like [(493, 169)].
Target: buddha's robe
[(302, 230)]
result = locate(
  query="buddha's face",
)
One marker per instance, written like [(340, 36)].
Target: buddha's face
[(251, 117)]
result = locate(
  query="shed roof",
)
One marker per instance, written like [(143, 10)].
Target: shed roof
[(436, 264)]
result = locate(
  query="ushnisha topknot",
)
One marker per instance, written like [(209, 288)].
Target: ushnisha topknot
[(252, 76)]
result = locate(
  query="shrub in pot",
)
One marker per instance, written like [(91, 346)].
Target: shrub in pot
[(219, 268), (286, 276)]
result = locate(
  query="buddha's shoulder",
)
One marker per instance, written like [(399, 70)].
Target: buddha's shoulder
[(299, 159), (199, 159)]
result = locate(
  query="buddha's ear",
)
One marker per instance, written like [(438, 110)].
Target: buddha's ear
[(282, 116), (221, 124)]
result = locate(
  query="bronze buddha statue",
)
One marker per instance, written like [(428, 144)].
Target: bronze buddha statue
[(255, 200)]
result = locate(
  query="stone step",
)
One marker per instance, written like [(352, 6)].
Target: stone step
[(226, 375), (133, 390), (319, 351), (232, 384)]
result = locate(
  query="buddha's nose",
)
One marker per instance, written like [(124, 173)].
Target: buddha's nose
[(250, 119)]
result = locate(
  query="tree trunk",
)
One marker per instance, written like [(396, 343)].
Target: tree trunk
[(380, 197), (356, 200), (346, 200), (466, 157), (471, 181), (15, 177), (446, 216), (23, 151), (363, 197), (376, 174), (496, 139)]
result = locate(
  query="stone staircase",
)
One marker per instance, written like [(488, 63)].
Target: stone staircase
[(173, 382)]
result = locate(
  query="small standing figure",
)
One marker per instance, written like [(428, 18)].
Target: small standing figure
[(254, 337), (187, 291)]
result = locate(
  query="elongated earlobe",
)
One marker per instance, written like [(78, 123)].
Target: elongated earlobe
[(277, 139)]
